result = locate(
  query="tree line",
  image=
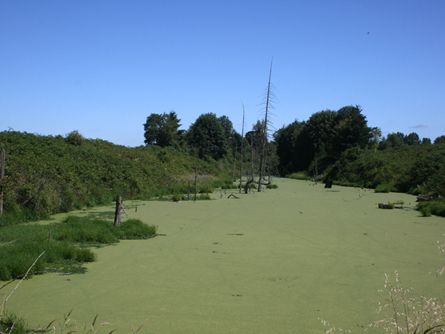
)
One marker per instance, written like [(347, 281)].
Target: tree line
[(332, 144)]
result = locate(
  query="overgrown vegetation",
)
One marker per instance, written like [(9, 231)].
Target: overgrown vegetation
[(65, 244), (341, 147), (46, 174), (432, 208), (413, 169)]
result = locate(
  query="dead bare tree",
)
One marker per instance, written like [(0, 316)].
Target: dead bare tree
[(264, 134), (242, 154), (2, 176), (118, 211), (234, 162)]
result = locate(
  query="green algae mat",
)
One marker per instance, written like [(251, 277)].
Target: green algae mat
[(271, 262)]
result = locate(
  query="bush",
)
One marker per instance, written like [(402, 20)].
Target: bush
[(384, 188), (135, 229), (177, 197), (205, 189), (203, 197), (432, 208)]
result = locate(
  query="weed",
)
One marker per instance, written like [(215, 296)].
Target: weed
[(62, 242)]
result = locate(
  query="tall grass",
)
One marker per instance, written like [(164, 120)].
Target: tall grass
[(65, 244)]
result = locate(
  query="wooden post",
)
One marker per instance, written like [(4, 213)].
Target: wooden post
[(2, 176), (118, 211)]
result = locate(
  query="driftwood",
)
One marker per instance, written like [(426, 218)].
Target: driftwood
[(427, 197), (232, 195), (386, 206)]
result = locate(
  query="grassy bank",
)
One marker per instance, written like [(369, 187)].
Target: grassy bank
[(65, 245), (46, 174)]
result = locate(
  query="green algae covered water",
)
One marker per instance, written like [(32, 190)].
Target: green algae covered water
[(271, 262)]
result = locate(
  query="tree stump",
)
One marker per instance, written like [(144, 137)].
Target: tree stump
[(118, 211)]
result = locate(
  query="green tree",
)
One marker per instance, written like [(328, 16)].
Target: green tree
[(426, 141), (294, 148), (321, 128), (411, 139), (351, 129), (206, 135), (393, 140), (440, 140), (162, 129), (74, 138)]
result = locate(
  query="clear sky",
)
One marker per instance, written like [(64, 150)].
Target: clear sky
[(101, 67)]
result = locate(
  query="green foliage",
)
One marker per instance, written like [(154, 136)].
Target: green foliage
[(294, 148), (12, 324), (412, 139), (162, 129), (203, 197), (316, 144), (272, 186), (74, 138), (384, 188), (407, 168), (432, 208), (63, 243), (439, 140), (351, 129), (206, 136), (205, 189), (46, 175)]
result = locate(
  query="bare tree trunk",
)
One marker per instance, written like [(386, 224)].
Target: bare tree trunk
[(118, 211), (242, 155), (234, 163), (2, 176), (264, 142)]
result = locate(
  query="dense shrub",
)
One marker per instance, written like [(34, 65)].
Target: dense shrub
[(384, 188), (46, 174), (413, 169), (432, 208)]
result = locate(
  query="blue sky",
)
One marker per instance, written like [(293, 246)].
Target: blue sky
[(101, 67)]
